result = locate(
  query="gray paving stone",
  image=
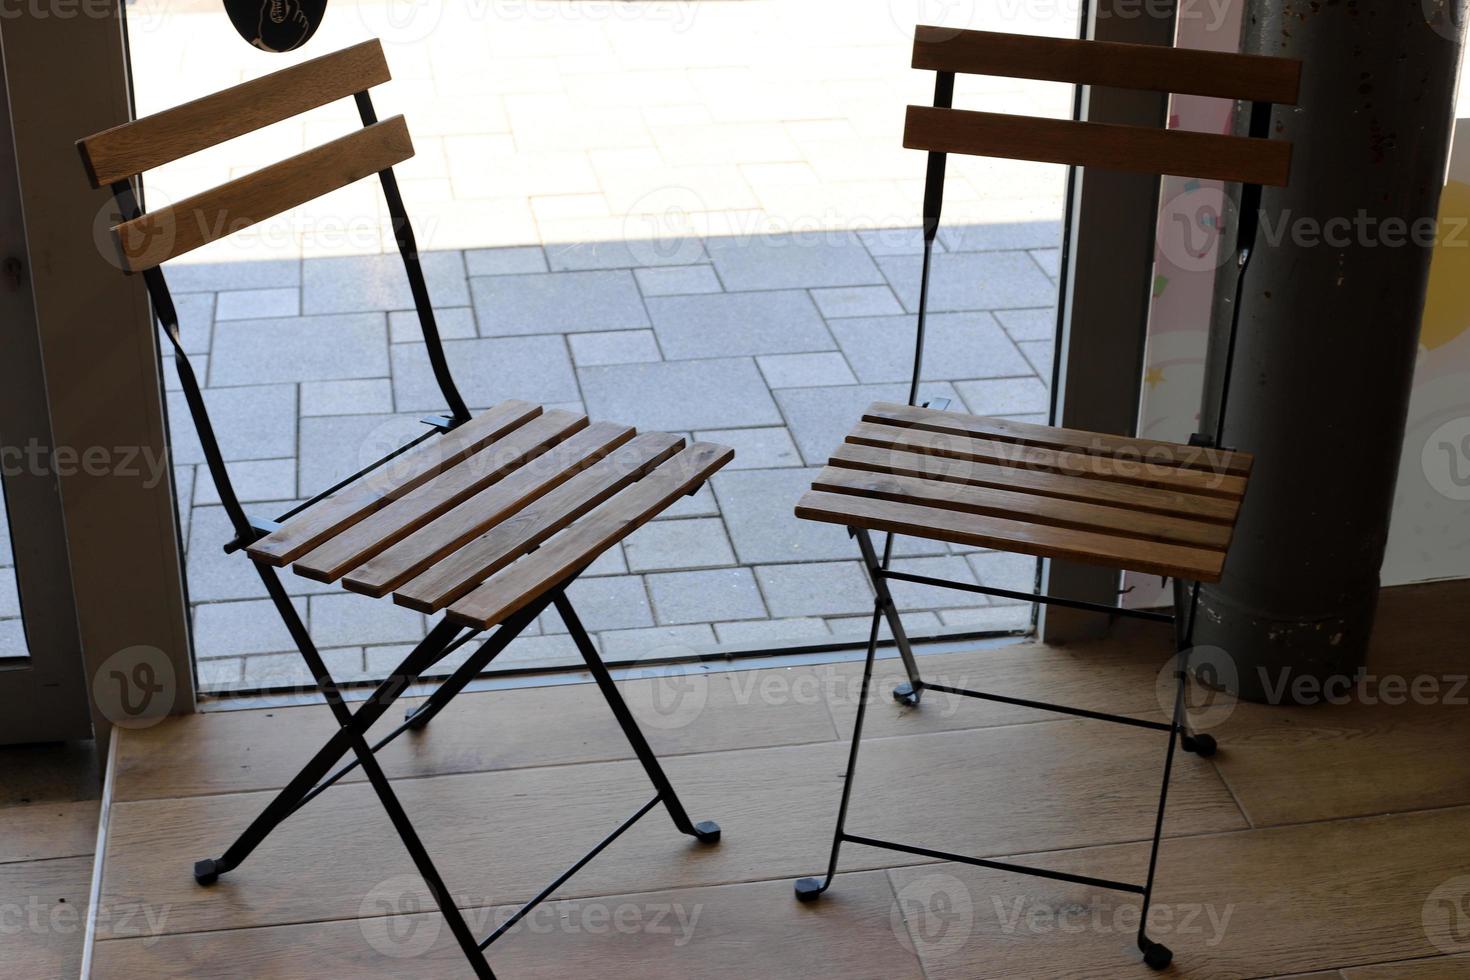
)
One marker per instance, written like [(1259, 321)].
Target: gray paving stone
[(1049, 259), (762, 633), (911, 595), (661, 545), (1001, 236), (253, 422), (971, 281), (705, 596), (658, 642), (254, 481), (13, 639), (799, 261), (1034, 324), (624, 254), (610, 602), (288, 670), (226, 629), (195, 277), (360, 283), (1004, 396), (1003, 570), (196, 325), (557, 302), (815, 588), (814, 370), (183, 493), (333, 447), (537, 369), (956, 345), (1007, 618), (353, 397), (453, 322), (214, 575), (9, 597), (541, 652), (342, 619), (735, 324), (219, 675), (755, 449), (915, 624), (307, 348), (610, 562), (699, 504), (759, 509), (897, 241), (678, 280), (505, 261), (856, 301), (614, 347), (820, 418), (257, 304), (680, 395), (1039, 353)]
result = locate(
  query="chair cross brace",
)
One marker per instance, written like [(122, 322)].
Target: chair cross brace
[(314, 778)]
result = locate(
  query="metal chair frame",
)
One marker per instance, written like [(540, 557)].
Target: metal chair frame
[(444, 638), (1185, 595)]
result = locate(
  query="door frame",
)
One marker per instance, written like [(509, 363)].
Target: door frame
[(111, 565)]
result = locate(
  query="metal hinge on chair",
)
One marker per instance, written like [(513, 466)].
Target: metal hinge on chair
[(261, 525)]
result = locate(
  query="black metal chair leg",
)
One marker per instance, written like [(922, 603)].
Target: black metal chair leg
[(911, 692), (707, 831), (810, 889), (289, 799), (421, 859)]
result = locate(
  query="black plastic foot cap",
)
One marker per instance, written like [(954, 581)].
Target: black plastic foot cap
[(707, 831), (1204, 745), (1156, 955), (905, 694), (808, 889), (206, 872)]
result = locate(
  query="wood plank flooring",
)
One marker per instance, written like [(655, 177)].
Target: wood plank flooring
[(1320, 842)]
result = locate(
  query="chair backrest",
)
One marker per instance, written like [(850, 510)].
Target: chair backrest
[(1252, 160), (146, 240), (1252, 78)]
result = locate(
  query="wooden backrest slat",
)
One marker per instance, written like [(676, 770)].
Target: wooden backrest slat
[(132, 148), (160, 235), (1102, 145), (1150, 67)]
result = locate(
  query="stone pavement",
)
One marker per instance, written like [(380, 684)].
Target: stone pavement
[(773, 345), (694, 216)]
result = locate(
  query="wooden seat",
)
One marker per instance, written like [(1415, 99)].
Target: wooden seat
[(1014, 486), (489, 517)]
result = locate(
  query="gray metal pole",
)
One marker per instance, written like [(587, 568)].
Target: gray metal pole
[(1328, 334)]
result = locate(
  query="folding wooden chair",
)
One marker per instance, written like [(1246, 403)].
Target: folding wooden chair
[(1131, 504), (486, 517)]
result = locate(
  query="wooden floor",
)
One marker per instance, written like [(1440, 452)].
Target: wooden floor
[(1326, 841)]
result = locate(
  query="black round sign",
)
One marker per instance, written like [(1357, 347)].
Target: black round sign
[(276, 25)]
